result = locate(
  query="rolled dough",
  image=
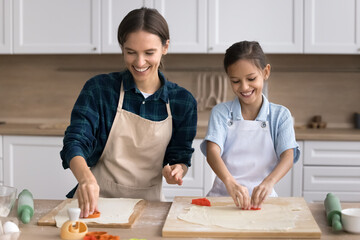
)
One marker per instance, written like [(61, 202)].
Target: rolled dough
[(113, 210), (270, 217)]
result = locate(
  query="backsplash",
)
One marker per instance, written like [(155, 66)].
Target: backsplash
[(37, 88)]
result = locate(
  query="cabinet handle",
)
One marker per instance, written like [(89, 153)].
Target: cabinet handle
[(94, 48), (210, 48)]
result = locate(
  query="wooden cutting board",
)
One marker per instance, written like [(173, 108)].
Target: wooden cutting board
[(305, 225), (49, 218)]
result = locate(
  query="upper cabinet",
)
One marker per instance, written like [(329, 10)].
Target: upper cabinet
[(56, 26), (5, 26), (187, 20), (276, 24), (112, 12), (196, 26), (332, 26)]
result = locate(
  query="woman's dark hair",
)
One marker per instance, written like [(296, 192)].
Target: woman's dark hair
[(245, 50), (147, 19)]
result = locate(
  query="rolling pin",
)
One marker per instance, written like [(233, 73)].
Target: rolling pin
[(333, 211)]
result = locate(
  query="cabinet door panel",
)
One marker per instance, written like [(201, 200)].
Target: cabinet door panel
[(5, 26), (291, 184), (34, 163), (57, 26), (346, 153), (194, 176), (343, 196), (276, 24), (332, 179), (113, 12), (1, 146), (332, 26), (187, 24), (170, 193)]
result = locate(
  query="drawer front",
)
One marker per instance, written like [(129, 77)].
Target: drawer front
[(343, 196), (1, 146), (330, 179), (170, 193), (1, 171), (345, 153)]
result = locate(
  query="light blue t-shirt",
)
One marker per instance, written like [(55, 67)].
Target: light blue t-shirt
[(279, 118)]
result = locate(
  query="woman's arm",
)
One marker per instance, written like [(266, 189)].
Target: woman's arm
[(264, 189), (88, 189), (239, 193)]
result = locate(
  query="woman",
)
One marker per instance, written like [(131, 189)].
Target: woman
[(250, 143), (131, 127)]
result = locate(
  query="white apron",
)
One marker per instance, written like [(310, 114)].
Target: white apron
[(248, 154), (131, 163)]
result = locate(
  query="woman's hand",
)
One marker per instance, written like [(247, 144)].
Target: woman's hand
[(174, 173), (88, 189), (239, 194), (88, 195)]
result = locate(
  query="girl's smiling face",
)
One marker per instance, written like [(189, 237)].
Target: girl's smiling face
[(247, 81), (142, 55)]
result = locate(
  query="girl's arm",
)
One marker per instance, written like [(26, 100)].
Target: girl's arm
[(260, 192), (239, 193)]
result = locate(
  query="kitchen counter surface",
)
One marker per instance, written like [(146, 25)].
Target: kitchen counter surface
[(150, 223), (58, 129)]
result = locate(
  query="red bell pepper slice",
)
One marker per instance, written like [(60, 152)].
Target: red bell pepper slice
[(201, 202)]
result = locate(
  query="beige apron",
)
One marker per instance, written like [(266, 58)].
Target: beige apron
[(131, 163)]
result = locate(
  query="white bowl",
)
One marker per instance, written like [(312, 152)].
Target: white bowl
[(350, 219)]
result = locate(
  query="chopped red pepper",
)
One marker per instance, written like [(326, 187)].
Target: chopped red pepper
[(252, 208), (100, 236), (201, 202), (96, 214)]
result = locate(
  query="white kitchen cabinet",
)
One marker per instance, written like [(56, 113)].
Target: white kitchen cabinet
[(33, 162), (332, 26), (187, 20), (331, 166), (187, 34), (5, 26), (291, 184), (57, 26), (277, 25), (193, 182), (1, 161), (112, 12)]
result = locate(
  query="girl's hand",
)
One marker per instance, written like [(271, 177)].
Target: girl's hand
[(88, 195), (260, 193), (239, 194), (174, 173)]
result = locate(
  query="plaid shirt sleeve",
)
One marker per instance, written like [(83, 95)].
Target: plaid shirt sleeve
[(184, 110)]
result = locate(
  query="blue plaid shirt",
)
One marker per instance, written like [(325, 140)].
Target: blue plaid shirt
[(95, 109)]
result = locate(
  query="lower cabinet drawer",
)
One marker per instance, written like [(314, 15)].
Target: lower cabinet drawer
[(343, 196), (170, 193), (327, 179)]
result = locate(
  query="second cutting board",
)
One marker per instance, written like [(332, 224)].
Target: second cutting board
[(304, 223)]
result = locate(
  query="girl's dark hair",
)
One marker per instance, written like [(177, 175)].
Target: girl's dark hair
[(147, 19), (245, 50)]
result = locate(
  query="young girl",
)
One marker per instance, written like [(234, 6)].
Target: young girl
[(250, 143)]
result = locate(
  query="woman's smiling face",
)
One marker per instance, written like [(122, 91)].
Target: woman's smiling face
[(142, 54), (247, 81)]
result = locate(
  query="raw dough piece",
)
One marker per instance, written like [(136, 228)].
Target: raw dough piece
[(113, 210), (270, 217)]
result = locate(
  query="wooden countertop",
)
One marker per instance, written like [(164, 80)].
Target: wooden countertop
[(150, 223), (58, 129)]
